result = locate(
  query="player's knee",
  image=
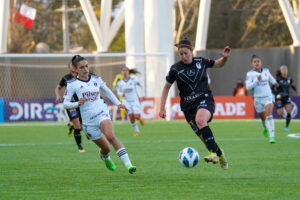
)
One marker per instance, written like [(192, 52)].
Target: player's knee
[(201, 123), (77, 126)]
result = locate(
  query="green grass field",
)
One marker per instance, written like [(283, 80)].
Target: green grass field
[(39, 161)]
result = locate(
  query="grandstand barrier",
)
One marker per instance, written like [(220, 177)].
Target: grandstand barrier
[(45, 109)]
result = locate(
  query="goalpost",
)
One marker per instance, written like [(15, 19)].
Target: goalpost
[(37, 75)]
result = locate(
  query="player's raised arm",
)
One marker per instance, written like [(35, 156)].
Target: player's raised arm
[(225, 55)]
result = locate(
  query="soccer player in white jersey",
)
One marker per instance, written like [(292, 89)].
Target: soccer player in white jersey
[(126, 88), (258, 80), (96, 120)]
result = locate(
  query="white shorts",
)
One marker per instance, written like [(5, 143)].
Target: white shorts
[(261, 102), (133, 107), (93, 131)]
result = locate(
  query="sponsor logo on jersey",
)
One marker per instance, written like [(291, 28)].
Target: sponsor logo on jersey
[(191, 72), (198, 65), (192, 97), (90, 96)]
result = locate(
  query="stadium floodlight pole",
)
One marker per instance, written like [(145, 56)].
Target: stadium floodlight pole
[(105, 17), (202, 25), (134, 36), (115, 25), (65, 25), (290, 21), (4, 15), (93, 24)]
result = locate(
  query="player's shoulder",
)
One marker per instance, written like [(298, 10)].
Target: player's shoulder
[(251, 71), (121, 82), (96, 78), (67, 77), (177, 66), (132, 79), (264, 69), (72, 81)]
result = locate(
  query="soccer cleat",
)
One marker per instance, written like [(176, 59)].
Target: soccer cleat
[(137, 134), (70, 129), (81, 150), (142, 122), (223, 161), (266, 132), (272, 140), (287, 129), (109, 164), (131, 169), (212, 157)]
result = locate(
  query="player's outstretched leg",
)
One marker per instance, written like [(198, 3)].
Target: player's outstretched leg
[(70, 129), (287, 122), (211, 157), (122, 153), (271, 129), (223, 160), (136, 129), (265, 132), (108, 161), (77, 137)]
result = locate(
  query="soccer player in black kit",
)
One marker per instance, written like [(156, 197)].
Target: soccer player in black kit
[(74, 114), (282, 94), (196, 100)]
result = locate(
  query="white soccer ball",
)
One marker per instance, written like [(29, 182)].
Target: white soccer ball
[(189, 157)]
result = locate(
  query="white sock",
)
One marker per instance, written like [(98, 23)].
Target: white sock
[(122, 153), (106, 157), (135, 127), (264, 124), (271, 127)]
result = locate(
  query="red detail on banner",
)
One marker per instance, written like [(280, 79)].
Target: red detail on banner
[(225, 108)]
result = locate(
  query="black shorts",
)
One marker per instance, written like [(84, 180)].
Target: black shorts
[(74, 113), (190, 115), (280, 103)]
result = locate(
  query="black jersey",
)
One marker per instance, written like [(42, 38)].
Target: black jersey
[(192, 81), (284, 86), (63, 83)]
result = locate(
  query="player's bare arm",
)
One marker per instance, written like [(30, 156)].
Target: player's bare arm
[(225, 55), (58, 97), (162, 111)]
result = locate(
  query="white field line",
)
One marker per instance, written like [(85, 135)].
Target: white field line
[(138, 142)]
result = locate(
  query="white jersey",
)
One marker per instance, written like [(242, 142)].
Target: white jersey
[(261, 88), (94, 105), (127, 89)]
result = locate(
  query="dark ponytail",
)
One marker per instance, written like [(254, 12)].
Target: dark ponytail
[(76, 59)]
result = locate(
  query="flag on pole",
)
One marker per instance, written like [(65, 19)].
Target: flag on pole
[(24, 14)]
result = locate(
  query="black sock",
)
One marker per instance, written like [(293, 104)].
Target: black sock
[(288, 119), (77, 137), (210, 140)]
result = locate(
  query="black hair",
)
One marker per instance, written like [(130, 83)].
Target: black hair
[(278, 73), (76, 59), (132, 71), (254, 56), (185, 42)]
